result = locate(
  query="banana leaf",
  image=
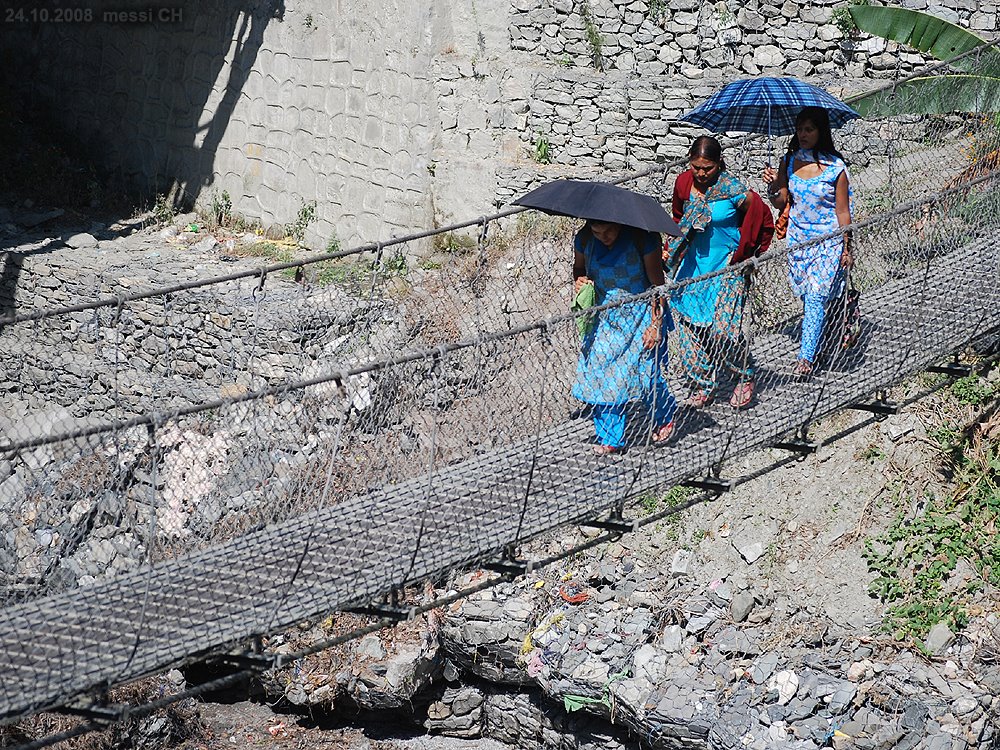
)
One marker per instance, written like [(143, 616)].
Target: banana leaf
[(933, 95), (929, 34)]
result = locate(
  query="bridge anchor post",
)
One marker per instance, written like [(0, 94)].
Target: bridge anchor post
[(954, 369), (881, 407), (713, 482), (391, 609), (800, 443)]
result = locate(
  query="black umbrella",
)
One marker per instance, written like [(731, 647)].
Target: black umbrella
[(600, 201)]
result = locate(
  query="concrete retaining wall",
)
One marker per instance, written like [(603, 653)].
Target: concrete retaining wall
[(394, 115)]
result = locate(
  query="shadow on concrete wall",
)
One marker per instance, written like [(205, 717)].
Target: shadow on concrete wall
[(130, 96), (244, 34), (12, 263)]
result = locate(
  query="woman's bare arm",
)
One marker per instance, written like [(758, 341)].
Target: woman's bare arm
[(777, 183), (579, 272), (843, 209)]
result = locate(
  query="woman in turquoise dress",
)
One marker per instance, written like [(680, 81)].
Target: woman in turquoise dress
[(623, 354), (813, 176), (711, 208)]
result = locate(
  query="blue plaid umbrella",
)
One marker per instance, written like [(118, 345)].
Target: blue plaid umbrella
[(765, 105)]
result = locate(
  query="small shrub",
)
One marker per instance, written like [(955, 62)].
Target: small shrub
[(163, 211), (395, 265), (842, 18), (657, 10), (222, 208), (543, 152), (306, 216), (972, 391)]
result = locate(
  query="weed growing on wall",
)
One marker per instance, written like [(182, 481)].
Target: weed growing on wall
[(842, 18), (657, 10), (163, 211), (594, 38), (543, 151)]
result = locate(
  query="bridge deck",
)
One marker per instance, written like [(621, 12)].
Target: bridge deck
[(62, 646)]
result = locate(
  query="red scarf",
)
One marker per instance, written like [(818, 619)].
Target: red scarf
[(756, 227)]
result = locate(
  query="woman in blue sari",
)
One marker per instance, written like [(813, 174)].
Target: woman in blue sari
[(623, 355)]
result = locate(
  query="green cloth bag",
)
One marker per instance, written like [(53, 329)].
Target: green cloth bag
[(586, 297)]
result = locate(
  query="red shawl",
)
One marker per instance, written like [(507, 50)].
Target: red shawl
[(756, 228)]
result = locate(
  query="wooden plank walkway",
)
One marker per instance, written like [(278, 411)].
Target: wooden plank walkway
[(60, 647)]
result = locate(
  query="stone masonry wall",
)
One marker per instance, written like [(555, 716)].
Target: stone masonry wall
[(394, 116)]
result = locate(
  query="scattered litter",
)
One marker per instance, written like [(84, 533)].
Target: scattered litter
[(573, 593)]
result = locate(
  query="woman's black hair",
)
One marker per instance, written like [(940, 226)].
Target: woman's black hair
[(707, 147), (819, 117)]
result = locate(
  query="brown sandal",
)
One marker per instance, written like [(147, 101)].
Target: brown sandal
[(606, 450), (698, 400), (662, 434), (742, 395)]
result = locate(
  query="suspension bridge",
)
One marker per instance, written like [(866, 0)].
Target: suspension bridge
[(502, 458)]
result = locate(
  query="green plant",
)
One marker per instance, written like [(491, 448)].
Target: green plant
[(309, 22), (915, 561), (871, 453), (566, 61), (724, 16), (972, 390), (349, 274), (163, 211), (454, 244), (269, 250), (543, 152), (222, 208), (395, 265), (842, 18), (306, 215), (656, 10), (593, 35), (976, 88), (672, 498)]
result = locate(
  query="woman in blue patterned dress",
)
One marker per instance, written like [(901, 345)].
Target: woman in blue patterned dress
[(814, 176), (623, 355)]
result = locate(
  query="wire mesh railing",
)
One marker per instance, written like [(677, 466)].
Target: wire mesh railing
[(207, 461)]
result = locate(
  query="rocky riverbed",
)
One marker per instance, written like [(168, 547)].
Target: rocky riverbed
[(740, 623)]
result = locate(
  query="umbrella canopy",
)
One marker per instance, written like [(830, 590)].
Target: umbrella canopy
[(600, 201), (765, 105)]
